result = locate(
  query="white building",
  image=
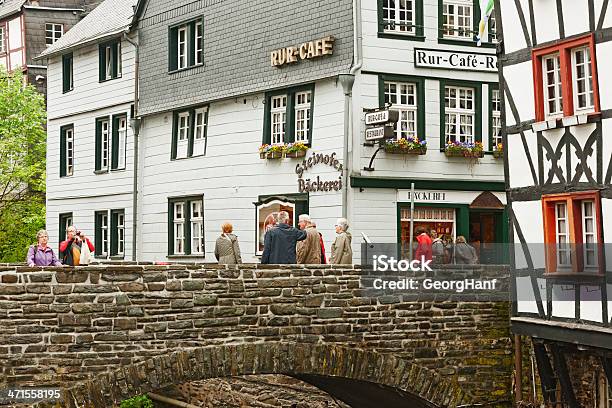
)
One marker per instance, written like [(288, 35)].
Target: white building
[(90, 158), (211, 94)]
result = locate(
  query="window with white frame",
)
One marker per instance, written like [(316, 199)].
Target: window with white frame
[(110, 60), (189, 133), (278, 114), (492, 28), (69, 152), (104, 250), (399, 16), (582, 77), (197, 228), (120, 233), (198, 43), (564, 255), (302, 116), (186, 226), (179, 228), (65, 220), (589, 237), (496, 137), (53, 32), (182, 47), (2, 40), (105, 138), (553, 94), (457, 19), (403, 97), (199, 132), (182, 147), (459, 113), (121, 142)]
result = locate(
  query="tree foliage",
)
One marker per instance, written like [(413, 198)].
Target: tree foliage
[(22, 165), (141, 401)]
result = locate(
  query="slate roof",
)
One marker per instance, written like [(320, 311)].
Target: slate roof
[(9, 7), (110, 17)]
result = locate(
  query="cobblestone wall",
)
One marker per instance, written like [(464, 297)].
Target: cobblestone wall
[(60, 325)]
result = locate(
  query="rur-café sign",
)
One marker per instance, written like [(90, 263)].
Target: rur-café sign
[(467, 61), (307, 185), (307, 50)]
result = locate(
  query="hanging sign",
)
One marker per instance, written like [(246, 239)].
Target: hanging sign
[(382, 116), (467, 61), (380, 132)]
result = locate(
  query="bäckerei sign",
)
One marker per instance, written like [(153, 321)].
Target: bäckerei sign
[(307, 185), (467, 61)]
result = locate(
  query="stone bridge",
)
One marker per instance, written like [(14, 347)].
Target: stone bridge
[(106, 333)]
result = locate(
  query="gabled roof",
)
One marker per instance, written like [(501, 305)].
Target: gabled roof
[(110, 18), (8, 7)]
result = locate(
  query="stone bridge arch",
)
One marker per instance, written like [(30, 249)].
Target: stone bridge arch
[(329, 360)]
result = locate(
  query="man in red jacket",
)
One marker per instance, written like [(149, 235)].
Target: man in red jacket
[(70, 249), (423, 250)]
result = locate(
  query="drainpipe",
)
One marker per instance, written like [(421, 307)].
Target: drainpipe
[(135, 123), (347, 81)]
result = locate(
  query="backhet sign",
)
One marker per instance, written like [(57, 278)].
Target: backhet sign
[(466, 61)]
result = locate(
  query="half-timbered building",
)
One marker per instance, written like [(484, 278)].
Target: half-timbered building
[(556, 86)]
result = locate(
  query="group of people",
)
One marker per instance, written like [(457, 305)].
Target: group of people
[(284, 244), (77, 249), (442, 250)]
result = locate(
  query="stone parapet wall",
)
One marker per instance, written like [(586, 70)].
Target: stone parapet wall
[(62, 325)]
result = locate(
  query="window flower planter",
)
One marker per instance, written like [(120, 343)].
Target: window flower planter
[(295, 155), (498, 151), (406, 146), (462, 149), (293, 150)]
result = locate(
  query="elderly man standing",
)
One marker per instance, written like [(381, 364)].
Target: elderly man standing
[(309, 250), (341, 248), (280, 242)]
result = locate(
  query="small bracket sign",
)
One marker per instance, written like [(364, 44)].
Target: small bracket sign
[(379, 132), (381, 117)]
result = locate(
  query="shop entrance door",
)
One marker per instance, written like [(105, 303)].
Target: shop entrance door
[(485, 230)]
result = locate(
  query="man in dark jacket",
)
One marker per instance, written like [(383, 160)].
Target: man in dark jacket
[(280, 241)]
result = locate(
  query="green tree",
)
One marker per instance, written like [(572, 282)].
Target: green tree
[(22, 165)]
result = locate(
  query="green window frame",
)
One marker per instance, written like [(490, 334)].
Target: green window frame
[(419, 82), (492, 87), (290, 127), (67, 73), (189, 132), (111, 153), (119, 141), (66, 164), (109, 227), (187, 221), (103, 147), (191, 37), (65, 220), (417, 35), (475, 23), (109, 61), (477, 86)]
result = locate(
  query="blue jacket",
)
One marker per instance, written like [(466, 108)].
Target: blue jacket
[(279, 244)]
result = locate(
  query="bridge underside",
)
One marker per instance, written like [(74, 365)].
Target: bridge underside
[(364, 394)]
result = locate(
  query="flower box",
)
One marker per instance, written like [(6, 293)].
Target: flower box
[(464, 149), (296, 154), (498, 154), (464, 153), (400, 150), (274, 155)]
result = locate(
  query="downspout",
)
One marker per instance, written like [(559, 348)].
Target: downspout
[(347, 81), (135, 122)]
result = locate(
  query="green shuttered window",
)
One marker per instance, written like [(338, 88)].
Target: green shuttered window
[(66, 151), (186, 226), (67, 73), (189, 128), (401, 19), (109, 60), (186, 45), (110, 233), (111, 139), (289, 115)]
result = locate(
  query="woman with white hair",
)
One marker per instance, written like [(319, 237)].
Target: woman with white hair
[(341, 252), (40, 254)]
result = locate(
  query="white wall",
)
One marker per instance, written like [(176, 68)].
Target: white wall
[(231, 175)]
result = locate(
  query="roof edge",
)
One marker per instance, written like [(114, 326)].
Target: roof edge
[(82, 43)]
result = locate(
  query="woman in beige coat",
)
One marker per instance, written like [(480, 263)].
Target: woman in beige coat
[(341, 252), (227, 250)]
